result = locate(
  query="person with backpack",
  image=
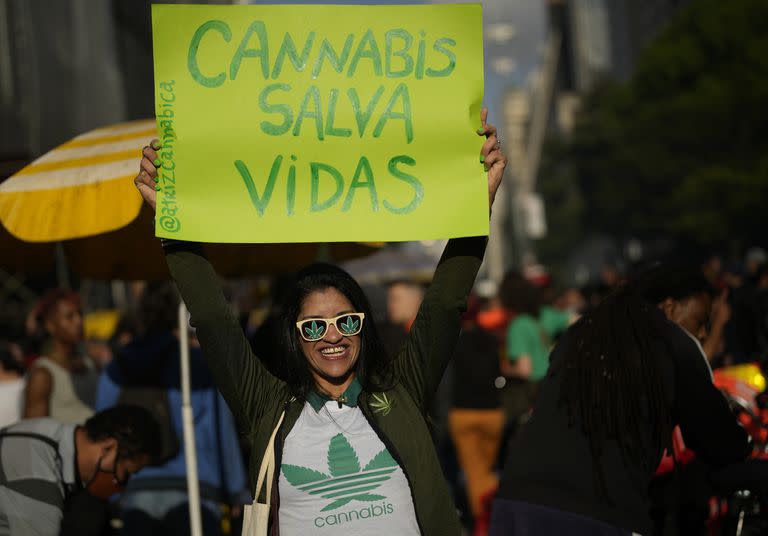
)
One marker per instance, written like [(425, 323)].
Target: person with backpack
[(45, 463), (147, 371)]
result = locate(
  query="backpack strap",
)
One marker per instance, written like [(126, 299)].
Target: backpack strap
[(4, 433), (45, 439)]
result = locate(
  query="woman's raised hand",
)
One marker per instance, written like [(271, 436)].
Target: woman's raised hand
[(146, 180), (491, 156)]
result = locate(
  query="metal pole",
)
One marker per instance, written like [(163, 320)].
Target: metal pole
[(188, 424), (541, 108), (62, 273)]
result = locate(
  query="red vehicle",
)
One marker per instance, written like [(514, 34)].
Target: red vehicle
[(744, 387), (741, 504)]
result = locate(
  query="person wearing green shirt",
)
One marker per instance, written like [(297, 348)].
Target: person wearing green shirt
[(533, 330), (554, 321), (527, 344), (528, 347), (529, 339)]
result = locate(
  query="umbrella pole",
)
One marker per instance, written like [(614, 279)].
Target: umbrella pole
[(62, 273), (188, 424)]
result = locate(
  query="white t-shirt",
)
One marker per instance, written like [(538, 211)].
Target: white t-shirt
[(337, 477), (11, 401)]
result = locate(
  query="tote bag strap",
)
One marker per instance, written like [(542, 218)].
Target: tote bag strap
[(267, 469)]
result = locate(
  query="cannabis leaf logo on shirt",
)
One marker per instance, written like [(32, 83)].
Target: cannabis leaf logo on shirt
[(350, 326), (381, 404), (346, 481)]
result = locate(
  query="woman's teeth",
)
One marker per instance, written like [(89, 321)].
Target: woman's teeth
[(332, 351)]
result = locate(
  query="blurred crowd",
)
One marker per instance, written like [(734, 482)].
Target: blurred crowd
[(70, 362)]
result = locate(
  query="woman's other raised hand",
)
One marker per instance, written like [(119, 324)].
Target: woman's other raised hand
[(491, 156)]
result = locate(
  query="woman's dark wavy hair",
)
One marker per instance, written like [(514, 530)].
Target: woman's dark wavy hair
[(373, 369), (612, 384)]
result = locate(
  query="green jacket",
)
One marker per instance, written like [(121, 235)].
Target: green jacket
[(257, 399)]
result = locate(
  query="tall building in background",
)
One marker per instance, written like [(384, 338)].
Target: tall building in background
[(633, 24), (515, 33), (600, 39), (591, 47), (604, 38), (69, 66), (58, 75)]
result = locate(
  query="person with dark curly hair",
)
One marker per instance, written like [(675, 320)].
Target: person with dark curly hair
[(619, 380)]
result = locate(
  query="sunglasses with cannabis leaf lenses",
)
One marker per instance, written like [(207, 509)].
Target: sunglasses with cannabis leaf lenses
[(314, 329)]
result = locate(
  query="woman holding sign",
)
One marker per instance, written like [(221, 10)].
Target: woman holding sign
[(351, 444)]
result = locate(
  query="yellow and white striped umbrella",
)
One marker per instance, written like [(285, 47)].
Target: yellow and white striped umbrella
[(81, 188), (82, 194)]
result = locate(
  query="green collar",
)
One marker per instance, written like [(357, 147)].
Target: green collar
[(348, 398)]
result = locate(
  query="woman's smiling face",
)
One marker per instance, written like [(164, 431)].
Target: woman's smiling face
[(331, 359)]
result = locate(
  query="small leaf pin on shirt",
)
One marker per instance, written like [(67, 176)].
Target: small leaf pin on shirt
[(381, 404)]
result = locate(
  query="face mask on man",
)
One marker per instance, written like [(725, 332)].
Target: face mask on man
[(104, 484)]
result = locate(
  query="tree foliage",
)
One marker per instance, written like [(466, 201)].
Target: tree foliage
[(681, 149)]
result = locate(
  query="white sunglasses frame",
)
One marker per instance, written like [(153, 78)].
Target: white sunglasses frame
[(330, 322)]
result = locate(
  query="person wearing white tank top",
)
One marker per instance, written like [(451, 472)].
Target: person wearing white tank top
[(11, 385), (62, 384)]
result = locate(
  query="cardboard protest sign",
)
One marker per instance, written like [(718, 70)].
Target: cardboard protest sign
[(319, 123)]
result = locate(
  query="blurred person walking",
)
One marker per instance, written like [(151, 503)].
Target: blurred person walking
[(62, 382), (12, 385), (147, 371), (476, 419), (619, 380), (44, 463), (404, 298), (347, 414), (529, 339)]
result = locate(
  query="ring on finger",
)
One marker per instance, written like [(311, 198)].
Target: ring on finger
[(498, 142)]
